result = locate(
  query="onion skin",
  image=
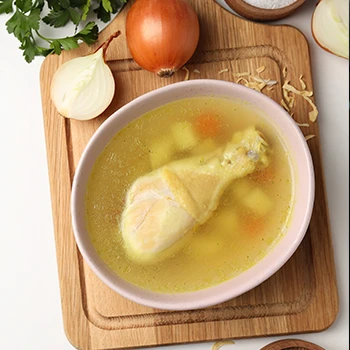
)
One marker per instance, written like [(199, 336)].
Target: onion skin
[(162, 35), (83, 87)]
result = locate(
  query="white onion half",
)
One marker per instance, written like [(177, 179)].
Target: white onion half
[(83, 87), (330, 26)]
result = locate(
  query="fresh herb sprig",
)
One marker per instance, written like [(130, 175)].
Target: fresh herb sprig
[(27, 17)]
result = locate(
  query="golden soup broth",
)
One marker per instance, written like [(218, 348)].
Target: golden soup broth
[(253, 213)]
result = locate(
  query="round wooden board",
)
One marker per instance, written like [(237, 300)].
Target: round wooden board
[(292, 344)]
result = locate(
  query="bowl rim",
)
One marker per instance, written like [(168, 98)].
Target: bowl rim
[(261, 14), (156, 299)]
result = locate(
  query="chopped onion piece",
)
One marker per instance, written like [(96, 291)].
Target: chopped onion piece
[(291, 88), (303, 124), (314, 113), (309, 137), (223, 71), (302, 83), (284, 72), (219, 344), (260, 69), (242, 74), (187, 76), (244, 80), (305, 94), (284, 105)]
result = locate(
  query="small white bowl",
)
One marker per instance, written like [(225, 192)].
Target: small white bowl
[(276, 258)]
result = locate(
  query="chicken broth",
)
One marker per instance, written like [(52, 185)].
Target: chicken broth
[(252, 213)]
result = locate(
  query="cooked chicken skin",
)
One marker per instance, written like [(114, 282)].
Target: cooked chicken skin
[(169, 203)]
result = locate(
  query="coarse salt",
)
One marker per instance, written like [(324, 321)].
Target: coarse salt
[(270, 4)]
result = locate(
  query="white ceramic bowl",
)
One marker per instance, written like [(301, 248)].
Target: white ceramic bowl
[(304, 194)]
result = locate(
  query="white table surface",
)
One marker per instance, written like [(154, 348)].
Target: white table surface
[(29, 291)]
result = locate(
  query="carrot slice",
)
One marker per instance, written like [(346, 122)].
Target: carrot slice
[(254, 225), (208, 125)]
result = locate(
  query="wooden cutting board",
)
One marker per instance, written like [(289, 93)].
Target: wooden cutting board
[(300, 297)]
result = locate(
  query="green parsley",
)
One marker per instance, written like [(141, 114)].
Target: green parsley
[(27, 17)]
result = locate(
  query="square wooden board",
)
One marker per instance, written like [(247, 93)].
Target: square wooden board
[(300, 297)]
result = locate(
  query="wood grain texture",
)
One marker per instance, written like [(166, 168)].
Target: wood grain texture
[(300, 297), (292, 344)]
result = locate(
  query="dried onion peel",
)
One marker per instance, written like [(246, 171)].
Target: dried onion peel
[(82, 88), (254, 82), (219, 344), (287, 87), (187, 76)]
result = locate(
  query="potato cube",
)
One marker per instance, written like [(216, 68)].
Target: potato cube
[(225, 222), (161, 152), (184, 136), (240, 188), (237, 137), (205, 146), (258, 202)]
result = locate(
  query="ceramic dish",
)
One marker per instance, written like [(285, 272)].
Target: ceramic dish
[(303, 192), (260, 14)]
